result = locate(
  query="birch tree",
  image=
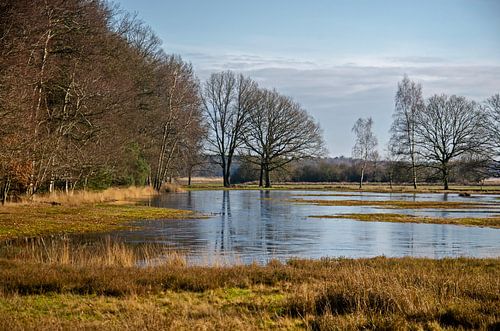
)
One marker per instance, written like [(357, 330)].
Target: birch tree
[(408, 104), (365, 146)]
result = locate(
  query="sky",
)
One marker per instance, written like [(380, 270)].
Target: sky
[(340, 59)]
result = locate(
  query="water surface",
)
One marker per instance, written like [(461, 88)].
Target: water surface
[(256, 226)]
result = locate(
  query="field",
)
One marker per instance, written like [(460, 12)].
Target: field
[(63, 289), (215, 183)]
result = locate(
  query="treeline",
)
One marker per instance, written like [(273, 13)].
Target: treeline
[(341, 169), (444, 138), (444, 135), (88, 97)]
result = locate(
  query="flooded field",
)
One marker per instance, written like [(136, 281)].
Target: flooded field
[(256, 226)]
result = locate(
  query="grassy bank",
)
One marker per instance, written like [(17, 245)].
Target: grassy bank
[(28, 220), (492, 222), (351, 187), (327, 294), (80, 212), (399, 204)]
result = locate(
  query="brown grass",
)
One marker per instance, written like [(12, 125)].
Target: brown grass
[(114, 194), (107, 252), (351, 187), (378, 293), (492, 222), (171, 188), (399, 204)]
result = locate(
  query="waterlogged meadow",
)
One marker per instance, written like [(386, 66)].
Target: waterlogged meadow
[(246, 226), (249, 259)]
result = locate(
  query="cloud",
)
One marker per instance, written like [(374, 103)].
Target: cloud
[(417, 59), (338, 91)]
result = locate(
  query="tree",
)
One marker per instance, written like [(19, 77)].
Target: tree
[(493, 127), (175, 117), (280, 132), (449, 127), (227, 101), (408, 104), (366, 142)]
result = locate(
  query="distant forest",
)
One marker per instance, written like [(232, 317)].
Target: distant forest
[(89, 99)]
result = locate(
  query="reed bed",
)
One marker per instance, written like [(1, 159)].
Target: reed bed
[(109, 252), (113, 194)]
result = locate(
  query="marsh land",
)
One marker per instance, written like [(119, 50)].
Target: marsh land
[(250, 259)]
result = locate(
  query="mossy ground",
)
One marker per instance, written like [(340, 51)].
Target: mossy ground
[(29, 220)]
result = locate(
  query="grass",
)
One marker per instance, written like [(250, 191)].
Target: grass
[(29, 220), (114, 194), (377, 293), (398, 204), (493, 222), (81, 212), (351, 187)]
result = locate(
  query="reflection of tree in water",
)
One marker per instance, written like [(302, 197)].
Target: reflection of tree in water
[(224, 240), (273, 236)]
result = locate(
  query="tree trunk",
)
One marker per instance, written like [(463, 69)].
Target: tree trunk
[(445, 176), (414, 170), (412, 151), (362, 176), (268, 178), (51, 185), (189, 177), (5, 191), (261, 175), (224, 172)]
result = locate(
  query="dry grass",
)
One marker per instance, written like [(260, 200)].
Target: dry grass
[(327, 294), (77, 198), (399, 204), (200, 180), (105, 253), (492, 222), (351, 187), (171, 188)]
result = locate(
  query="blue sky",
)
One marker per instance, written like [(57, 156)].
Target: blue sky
[(340, 59)]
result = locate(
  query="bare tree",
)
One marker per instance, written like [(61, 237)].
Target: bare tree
[(366, 142), (448, 128), (408, 103), (227, 101), (493, 111), (280, 132)]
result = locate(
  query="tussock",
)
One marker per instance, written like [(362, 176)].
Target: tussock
[(171, 188)]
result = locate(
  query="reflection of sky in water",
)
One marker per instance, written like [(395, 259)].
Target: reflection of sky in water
[(251, 226)]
